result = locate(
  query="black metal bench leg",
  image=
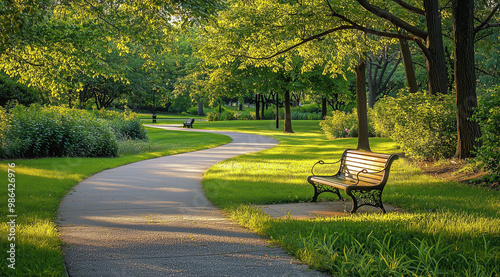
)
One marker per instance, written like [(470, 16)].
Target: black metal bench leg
[(319, 189), (371, 198), (354, 202)]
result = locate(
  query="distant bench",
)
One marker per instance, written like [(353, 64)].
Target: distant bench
[(188, 123), (361, 174)]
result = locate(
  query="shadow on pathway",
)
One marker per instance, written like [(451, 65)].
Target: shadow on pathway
[(151, 218)]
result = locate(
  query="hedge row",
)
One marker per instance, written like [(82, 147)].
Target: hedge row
[(35, 132)]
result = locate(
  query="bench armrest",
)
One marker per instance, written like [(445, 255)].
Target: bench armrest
[(321, 162), (364, 170)]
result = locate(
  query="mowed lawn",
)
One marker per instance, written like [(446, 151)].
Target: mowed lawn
[(42, 183), (447, 229)]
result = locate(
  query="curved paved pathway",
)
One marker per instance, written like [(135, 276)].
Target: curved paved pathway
[(151, 218)]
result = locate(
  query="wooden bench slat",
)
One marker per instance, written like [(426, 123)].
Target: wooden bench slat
[(359, 167), (360, 173), (368, 155), (353, 158), (366, 179)]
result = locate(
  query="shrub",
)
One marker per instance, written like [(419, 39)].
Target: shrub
[(36, 132), (126, 125), (245, 115), (423, 125), (488, 116), (270, 114), (213, 116), (227, 115), (4, 121), (224, 116), (340, 125), (193, 111)]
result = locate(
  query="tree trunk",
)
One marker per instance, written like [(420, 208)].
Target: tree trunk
[(411, 78), (257, 106), (363, 141), (200, 107), (434, 54), (465, 77), (288, 114), (323, 108), (277, 112), (264, 103), (372, 94)]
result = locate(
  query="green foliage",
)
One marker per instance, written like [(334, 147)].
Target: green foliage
[(340, 125), (450, 229), (46, 181), (4, 121), (224, 116), (423, 125), (193, 111), (126, 125), (245, 115), (35, 132), (213, 116), (488, 116), (12, 91)]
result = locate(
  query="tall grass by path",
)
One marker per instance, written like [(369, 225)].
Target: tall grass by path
[(42, 183), (448, 229)]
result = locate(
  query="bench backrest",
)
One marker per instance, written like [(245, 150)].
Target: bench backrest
[(190, 121), (377, 167)]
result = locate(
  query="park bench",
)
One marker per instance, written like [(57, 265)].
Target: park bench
[(361, 174), (188, 123)]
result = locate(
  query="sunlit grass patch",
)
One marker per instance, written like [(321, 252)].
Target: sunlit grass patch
[(447, 229), (42, 183)]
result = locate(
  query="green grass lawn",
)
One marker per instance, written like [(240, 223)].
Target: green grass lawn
[(42, 183), (448, 229)]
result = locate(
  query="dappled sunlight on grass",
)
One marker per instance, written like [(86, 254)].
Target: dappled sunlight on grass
[(446, 228), (42, 183), (44, 173), (37, 249)]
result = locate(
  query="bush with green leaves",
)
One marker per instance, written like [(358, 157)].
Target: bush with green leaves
[(245, 115), (35, 132), (4, 123), (488, 116), (340, 125), (423, 125), (224, 116), (126, 125)]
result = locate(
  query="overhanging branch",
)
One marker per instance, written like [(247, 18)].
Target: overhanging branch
[(393, 19)]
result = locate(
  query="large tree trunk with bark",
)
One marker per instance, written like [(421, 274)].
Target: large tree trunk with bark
[(257, 106), (465, 77), (200, 107), (277, 115), (323, 108), (363, 141), (288, 114), (434, 52), (411, 78), (264, 105)]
